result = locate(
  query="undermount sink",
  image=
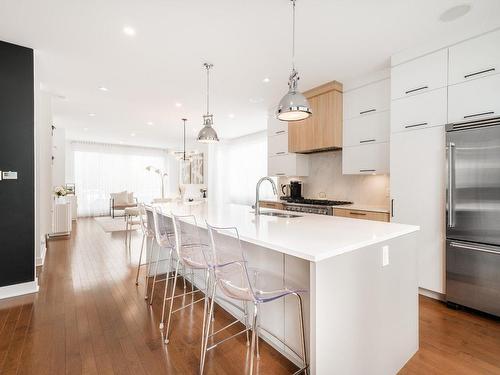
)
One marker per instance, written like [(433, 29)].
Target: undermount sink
[(280, 214)]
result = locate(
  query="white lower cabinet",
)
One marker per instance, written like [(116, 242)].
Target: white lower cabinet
[(418, 197), (288, 165), (366, 159), (419, 111), (474, 100)]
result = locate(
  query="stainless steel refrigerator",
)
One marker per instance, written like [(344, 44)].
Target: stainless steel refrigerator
[(473, 215)]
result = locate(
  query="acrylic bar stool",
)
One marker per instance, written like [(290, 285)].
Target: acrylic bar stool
[(237, 281), (164, 231), (148, 236), (191, 248), (131, 219)]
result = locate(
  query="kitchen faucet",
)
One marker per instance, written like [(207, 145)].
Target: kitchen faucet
[(257, 188)]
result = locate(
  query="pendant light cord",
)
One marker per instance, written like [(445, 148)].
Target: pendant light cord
[(208, 66), (184, 153), (293, 34)]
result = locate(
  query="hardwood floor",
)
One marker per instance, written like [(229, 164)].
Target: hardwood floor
[(90, 318)]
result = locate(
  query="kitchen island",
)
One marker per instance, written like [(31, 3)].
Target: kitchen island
[(362, 307)]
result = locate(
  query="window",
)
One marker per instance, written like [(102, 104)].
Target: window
[(101, 169), (235, 166)]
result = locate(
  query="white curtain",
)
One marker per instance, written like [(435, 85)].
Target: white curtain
[(101, 169), (235, 166)]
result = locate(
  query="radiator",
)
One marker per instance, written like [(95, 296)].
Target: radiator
[(61, 218)]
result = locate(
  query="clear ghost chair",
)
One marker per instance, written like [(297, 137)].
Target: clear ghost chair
[(192, 252), (239, 282), (162, 231), (148, 236)]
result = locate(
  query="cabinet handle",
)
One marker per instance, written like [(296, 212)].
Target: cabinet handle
[(474, 248), (367, 140), (367, 170), (415, 125), (480, 114), (392, 207), (480, 72), (367, 111), (280, 174), (281, 153), (357, 213), (417, 89), (279, 132)]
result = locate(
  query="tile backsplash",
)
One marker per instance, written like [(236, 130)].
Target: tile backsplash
[(325, 180)]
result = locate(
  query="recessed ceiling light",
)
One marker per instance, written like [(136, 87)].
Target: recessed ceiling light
[(455, 13), (132, 134), (178, 104), (91, 114), (85, 129), (127, 30), (150, 123), (102, 88), (266, 80), (256, 100), (231, 115)]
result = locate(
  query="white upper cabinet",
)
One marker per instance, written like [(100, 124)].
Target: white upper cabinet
[(367, 100), (474, 100), (366, 159), (419, 111), (367, 129), (417, 76), (475, 58), (277, 145), (288, 165), (275, 126)]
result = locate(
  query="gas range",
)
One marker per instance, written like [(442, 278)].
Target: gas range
[(313, 206)]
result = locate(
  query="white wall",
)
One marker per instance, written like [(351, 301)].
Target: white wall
[(59, 154), (325, 176), (43, 171)]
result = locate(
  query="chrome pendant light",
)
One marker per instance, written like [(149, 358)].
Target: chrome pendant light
[(208, 134), (293, 106)]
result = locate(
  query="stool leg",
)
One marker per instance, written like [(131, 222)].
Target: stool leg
[(302, 333), (154, 277), (205, 307), (165, 295), (126, 230), (146, 284), (171, 302), (209, 318), (257, 332), (140, 260), (247, 323), (254, 329)]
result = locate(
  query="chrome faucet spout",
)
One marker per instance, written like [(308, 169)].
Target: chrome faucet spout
[(257, 189)]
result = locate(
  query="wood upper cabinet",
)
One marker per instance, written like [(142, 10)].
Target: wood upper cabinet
[(323, 130)]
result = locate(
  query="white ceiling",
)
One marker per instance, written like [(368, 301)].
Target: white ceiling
[(81, 46)]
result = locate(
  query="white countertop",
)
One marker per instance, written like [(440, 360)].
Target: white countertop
[(310, 237)]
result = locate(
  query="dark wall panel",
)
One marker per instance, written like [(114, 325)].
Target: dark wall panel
[(17, 217)]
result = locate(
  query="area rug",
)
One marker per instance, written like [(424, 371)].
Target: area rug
[(108, 224)]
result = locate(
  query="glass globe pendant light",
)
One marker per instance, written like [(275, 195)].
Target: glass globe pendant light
[(208, 134), (293, 106)]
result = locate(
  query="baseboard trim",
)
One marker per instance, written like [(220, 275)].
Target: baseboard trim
[(19, 289), (432, 294), (39, 261)]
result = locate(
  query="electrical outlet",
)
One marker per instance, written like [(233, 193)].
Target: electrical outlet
[(385, 255)]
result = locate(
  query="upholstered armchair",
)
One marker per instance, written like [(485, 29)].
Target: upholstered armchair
[(120, 201)]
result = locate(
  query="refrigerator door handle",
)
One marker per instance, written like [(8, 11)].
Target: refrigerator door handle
[(474, 248), (451, 218)]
